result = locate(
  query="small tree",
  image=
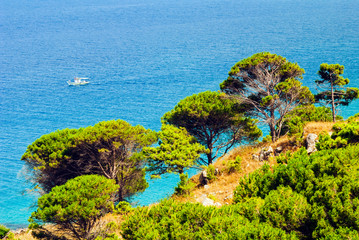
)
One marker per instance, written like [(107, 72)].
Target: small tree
[(177, 150), (77, 205), (111, 148), (268, 86), (214, 120), (335, 93)]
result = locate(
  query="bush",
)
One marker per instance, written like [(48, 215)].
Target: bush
[(123, 208), (172, 220), (11, 236), (285, 209), (3, 231), (185, 185), (321, 190), (343, 134), (211, 173), (295, 120), (77, 205), (234, 165)]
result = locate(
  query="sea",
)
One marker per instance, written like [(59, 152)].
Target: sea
[(142, 57)]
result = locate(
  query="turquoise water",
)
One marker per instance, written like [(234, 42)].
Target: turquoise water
[(142, 58)]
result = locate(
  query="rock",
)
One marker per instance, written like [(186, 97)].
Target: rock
[(311, 140), (255, 157), (208, 202), (228, 197), (278, 150), (203, 180), (206, 186), (265, 153), (216, 172)]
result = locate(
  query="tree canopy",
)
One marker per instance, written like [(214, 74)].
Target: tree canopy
[(77, 205), (334, 94), (268, 86), (214, 120), (177, 150), (110, 148)]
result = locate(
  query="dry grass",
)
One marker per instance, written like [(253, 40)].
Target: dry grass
[(53, 232), (222, 188), (318, 127)]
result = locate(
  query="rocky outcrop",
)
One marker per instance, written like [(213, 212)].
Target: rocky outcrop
[(265, 153), (206, 201), (310, 142), (278, 150), (203, 180)]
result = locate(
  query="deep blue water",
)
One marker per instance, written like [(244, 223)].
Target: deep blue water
[(142, 57)]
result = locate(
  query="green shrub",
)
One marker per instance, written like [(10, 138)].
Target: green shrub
[(326, 142), (3, 231), (77, 205), (343, 134), (323, 185), (295, 120), (123, 208), (267, 139), (211, 173), (285, 209), (108, 237), (234, 165), (172, 220), (185, 185), (11, 236)]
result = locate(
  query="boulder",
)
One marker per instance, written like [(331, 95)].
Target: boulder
[(278, 150), (311, 141), (203, 180), (207, 202), (265, 153)]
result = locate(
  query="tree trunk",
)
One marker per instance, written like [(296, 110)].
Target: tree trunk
[(120, 194), (272, 125), (210, 159), (272, 132), (333, 105)]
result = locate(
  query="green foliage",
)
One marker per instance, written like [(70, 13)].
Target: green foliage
[(234, 165), (77, 205), (267, 139), (332, 81), (185, 186), (214, 120), (177, 150), (123, 208), (343, 134), (3, 231), (211, 172), (172, 220), (111, 148), (296, 119), (326, 142), (285, 209), (11, 236), (315, 196), (268, 87)]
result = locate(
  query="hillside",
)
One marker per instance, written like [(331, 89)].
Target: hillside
[(220, 189)]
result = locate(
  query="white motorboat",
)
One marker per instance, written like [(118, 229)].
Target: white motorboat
[(78, 81)]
